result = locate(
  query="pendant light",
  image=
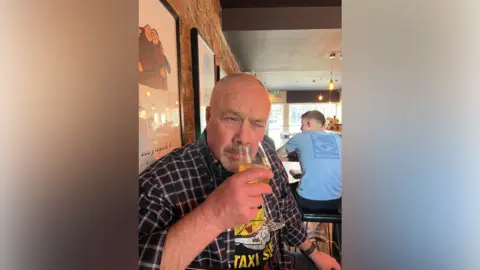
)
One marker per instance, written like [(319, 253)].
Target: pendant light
[(331, 85)]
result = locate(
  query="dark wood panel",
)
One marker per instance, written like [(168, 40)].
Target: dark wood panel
[(284, 18), (279, 3), (312, 96)]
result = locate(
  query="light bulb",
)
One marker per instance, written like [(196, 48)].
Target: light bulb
[(148, 93), (142, 114), (320, 97), (331, 85)]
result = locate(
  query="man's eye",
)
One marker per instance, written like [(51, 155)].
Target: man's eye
[(231, 120), (259, 124)]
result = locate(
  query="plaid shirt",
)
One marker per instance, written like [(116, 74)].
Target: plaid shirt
[(177, 183)]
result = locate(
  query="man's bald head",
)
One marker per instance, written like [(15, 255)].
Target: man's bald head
[(237, 115), (245, 83)]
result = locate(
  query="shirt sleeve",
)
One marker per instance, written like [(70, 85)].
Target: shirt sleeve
[(293, 143), (156, 214), (294, 233)]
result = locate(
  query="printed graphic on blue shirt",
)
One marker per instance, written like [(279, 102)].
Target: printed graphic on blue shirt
[(325, 146)]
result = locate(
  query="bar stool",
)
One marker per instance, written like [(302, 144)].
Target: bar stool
[(332, 217)]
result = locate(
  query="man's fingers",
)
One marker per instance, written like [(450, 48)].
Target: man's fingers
[(257, 189), (255, 202)]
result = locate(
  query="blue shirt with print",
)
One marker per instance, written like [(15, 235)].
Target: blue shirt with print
[(320, 160)]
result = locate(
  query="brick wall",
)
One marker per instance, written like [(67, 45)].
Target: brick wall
[(204, 15)]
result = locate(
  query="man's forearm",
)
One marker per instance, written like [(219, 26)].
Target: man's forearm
[(316, 255), (282, 152), (197, 229), (305, 245)]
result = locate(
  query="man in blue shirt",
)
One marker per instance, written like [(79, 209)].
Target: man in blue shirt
[(320, 188)]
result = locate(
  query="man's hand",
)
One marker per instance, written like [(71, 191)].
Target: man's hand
[(236, 201), (324, 262)]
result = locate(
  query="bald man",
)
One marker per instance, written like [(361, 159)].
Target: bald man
[(196, 209)]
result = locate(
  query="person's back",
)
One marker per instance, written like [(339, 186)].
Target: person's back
[(320, 159)]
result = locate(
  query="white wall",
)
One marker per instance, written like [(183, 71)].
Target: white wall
[(411, 165)]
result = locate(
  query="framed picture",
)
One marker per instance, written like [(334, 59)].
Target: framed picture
[(204, 77), (160, 114)]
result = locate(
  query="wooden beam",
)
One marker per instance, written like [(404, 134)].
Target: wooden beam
[(250, 19), (279, 3)]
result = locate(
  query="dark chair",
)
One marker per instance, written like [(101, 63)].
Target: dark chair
[(293, 156), (334, 217)]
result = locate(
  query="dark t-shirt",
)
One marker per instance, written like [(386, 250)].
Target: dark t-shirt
[(253, 249)]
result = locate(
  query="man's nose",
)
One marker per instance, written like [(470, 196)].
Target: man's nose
[(242, 135)]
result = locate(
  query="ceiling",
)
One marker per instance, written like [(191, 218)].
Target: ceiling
[(289, 59), (286, 43)]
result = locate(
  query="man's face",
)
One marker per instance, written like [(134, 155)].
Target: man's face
[(238, 118)]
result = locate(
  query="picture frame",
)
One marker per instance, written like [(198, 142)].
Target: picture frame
[(161, 116), (204, 77)]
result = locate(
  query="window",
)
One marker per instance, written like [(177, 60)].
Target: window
[(276, 116), (203, 118), (275, 123), (296, 111)]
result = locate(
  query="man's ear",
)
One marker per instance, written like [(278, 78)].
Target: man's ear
[(309, 124), (207, 114)]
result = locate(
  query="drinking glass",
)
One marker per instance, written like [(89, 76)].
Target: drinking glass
[(270, 222)]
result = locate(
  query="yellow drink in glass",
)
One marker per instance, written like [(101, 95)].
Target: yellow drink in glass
[(271, 222), (244, 167)]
